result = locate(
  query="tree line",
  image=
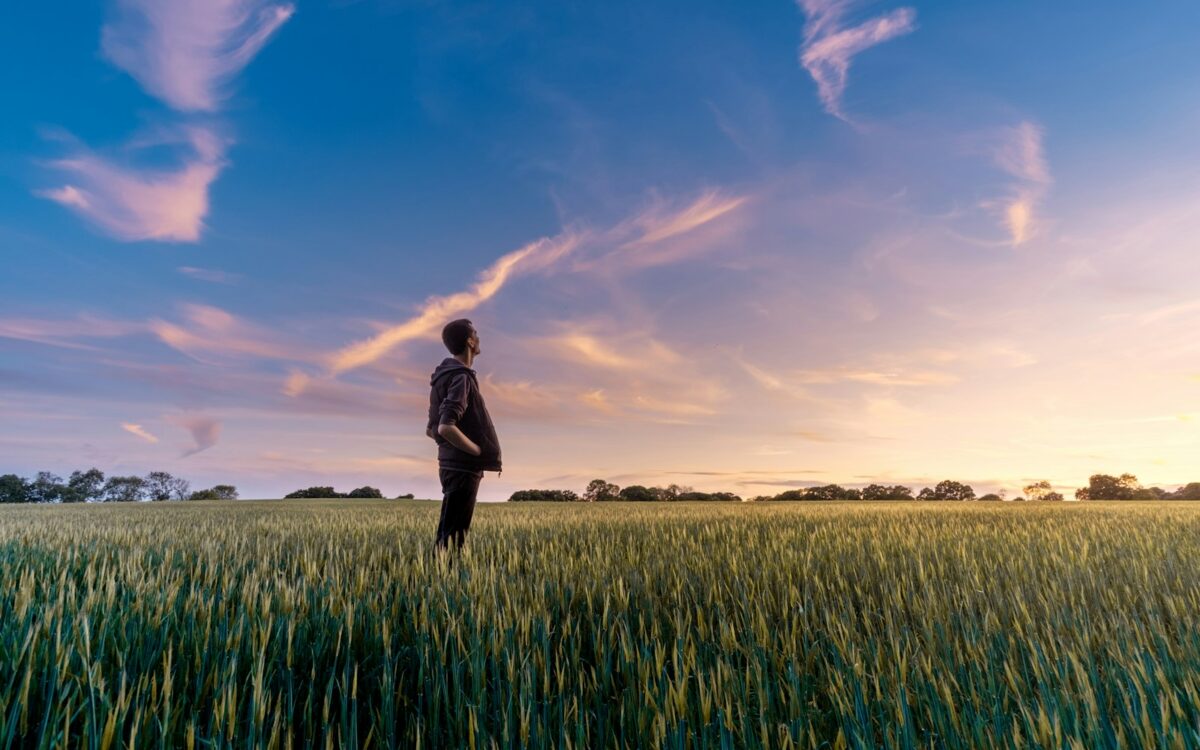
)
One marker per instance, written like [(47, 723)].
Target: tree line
[(599, 491), (1100, 487), (92, 486), (330, 492)]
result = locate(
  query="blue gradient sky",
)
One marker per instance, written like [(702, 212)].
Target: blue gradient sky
[(735, 246)]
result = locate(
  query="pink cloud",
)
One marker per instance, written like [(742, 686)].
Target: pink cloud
[(135, 203), (204, 431), (211, 330), (186, 52), (829, 46)]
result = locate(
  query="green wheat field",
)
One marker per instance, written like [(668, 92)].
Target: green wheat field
[(327, 624)]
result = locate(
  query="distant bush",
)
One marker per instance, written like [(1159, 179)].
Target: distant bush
[(406, 496), (220, 492), (365, 492), (314, 492)]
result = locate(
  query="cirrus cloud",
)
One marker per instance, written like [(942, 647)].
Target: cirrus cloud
[(829, 45), (186, 52), (135, 203)]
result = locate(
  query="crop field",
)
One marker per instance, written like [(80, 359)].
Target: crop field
[(328, 624)]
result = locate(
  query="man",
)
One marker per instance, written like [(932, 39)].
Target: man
[(460, 424)]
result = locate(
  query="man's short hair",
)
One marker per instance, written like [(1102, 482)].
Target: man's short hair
[(455, 335)]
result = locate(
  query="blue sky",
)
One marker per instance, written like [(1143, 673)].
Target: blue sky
[(740, 246)]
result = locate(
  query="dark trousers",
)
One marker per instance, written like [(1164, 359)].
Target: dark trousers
[(459, 489)]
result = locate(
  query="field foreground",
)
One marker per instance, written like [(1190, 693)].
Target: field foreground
[(326, 623)]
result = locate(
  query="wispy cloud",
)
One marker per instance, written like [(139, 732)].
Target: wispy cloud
[(135, 203), (630, 350), (205, 431), (438, 310), (830, 45), (210, 330), (878, 377), (136, 429), (209, 274), (1018, 151), (186, 52), (65, 333), (658, 225), (662, 233)]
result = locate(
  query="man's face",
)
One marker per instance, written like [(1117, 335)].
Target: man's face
[(473, 342)]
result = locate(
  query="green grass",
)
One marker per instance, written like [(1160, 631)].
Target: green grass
[(325, 623)]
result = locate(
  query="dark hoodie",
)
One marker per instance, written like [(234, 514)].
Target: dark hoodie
[(454, 398)]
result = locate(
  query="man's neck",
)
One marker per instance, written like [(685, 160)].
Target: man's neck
[(466, 357)]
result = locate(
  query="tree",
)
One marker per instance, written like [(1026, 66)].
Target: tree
[(47, 488), (314, 492), (225, 492), (406, 496), (790, 496), (991, 497), (220, 492), (951, 490), (948, 490), (1053, 497), (637, 492), (1038, 490), (883, 492), (158, 485), (1190, 491), (13, 489), (180, 488), (1108, 487), (84, 486), (124, 489), (670, 492), (365, 492), (692, 496), (831, 492), (599, 490)]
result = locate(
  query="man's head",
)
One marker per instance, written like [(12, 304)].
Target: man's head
[(460, 337)]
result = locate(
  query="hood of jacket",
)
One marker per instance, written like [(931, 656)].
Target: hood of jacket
[(448, 366)]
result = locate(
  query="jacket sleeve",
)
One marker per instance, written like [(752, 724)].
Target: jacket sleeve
[(455, 403)]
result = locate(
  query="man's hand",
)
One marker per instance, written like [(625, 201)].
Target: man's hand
[(458, 439)]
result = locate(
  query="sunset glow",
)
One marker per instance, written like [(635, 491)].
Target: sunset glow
[(737, 247)]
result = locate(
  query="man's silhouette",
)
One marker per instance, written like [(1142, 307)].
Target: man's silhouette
[(460, 424)]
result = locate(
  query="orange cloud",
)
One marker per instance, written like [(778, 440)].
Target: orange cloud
[(1019, 152), (427, 323), (136, 429)]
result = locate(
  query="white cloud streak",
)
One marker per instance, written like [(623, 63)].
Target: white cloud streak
[(186, 52), (829, 45), (209, 274)]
